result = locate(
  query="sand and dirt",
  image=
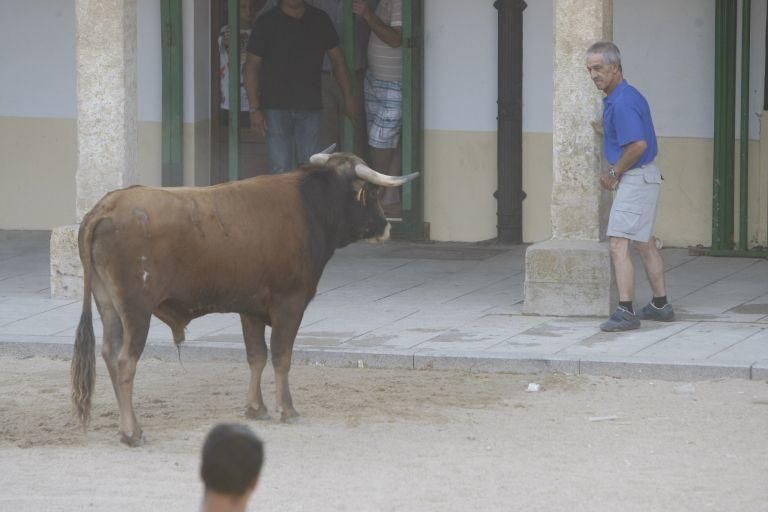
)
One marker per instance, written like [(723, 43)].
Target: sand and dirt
[(386, 440)]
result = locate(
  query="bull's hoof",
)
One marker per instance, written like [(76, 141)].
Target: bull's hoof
[(133, 441), (257, 414), (289, 416)]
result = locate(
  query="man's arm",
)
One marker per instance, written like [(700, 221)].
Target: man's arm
[(341, 75), (391, 35), (251, 74), (629, 157)]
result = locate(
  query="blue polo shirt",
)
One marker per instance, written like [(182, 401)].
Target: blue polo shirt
[(627, 119)]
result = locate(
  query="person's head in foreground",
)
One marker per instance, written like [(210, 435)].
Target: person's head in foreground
[(232, 459)]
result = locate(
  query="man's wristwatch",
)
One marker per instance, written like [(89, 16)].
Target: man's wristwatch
[(253, 109), (612, 173)]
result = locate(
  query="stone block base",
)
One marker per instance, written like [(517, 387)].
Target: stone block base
[(66, 269), (569, 278)]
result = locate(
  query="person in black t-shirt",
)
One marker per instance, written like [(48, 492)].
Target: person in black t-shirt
[(283, 76)]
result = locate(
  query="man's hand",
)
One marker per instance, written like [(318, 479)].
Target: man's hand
[(258, 122), (608, 182), (351, 108), (598, 126), (362, 9)]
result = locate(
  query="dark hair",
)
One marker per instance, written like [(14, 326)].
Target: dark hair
[(232, 459)]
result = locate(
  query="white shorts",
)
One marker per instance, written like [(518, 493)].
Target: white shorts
[(633, 213)]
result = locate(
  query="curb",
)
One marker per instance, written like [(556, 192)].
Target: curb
[(471, 362)]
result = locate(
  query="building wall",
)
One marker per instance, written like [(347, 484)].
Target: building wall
[(674, 69), (38, 106)]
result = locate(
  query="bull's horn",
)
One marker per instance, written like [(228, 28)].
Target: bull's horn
[(319, 159), (366, 173), (323, 156), (329, 149)]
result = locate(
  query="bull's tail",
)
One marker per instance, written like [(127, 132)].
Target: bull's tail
[(83, 370)]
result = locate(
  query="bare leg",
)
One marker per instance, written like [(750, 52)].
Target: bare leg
[(385, 161), (136, 328), (256, 350), (625, 271), (654, 266)]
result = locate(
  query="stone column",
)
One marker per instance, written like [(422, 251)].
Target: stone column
[(107, 137), (570, 274)]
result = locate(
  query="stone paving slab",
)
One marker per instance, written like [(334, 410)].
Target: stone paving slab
[(623, 344), (705, 340), (760, 370), (754, 348)]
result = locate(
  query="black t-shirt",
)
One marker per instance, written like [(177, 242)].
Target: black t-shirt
[(292, 52)]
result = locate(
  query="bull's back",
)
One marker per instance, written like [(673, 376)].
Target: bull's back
[(210, 243)]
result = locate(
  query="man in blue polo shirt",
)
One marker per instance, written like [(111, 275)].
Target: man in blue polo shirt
[(630, 148)]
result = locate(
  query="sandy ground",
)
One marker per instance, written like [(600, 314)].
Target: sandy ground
[(393, 440)]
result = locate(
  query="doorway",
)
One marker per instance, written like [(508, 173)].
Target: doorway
[(407, 215), (252, 148)]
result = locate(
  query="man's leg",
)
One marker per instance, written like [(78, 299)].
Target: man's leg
[(280, 131), (654, 266), (307, 134), (383, 102), (624, 318), (625, 270), (658, 309), (387, 161)]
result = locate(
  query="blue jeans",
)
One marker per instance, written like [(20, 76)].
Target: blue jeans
[(292, 137)]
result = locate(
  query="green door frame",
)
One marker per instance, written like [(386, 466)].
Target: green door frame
[(413, 226), (173, 90)]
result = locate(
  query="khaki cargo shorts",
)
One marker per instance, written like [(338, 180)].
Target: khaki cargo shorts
[(633, 213)]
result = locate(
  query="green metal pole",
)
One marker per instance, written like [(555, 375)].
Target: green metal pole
[(722, 175), (744, 118), (348, 142), (172, 94), (407, 114), (233, 10), (730, 118)]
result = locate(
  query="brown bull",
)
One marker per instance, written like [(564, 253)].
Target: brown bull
[(256, 247)]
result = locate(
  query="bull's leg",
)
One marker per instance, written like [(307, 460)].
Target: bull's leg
[(112, 344), (136, 328), (256, 350), (285, 325), (113, 331)]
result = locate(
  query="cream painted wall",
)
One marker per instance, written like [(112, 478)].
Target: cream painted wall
[(537, 185), (195, 148), (459, 203), (37, 185)]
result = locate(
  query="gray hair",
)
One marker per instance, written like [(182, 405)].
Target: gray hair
[(609, 51)]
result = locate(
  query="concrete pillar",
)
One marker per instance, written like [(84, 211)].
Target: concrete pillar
[(106, 122), (571, 274)]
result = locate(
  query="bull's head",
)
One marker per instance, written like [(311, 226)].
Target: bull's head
[(368, 218)]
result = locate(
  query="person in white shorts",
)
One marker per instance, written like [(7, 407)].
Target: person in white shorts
[(630, 147), (383, 88)]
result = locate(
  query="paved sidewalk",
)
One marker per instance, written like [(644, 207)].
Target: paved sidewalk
[(442, 306)]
